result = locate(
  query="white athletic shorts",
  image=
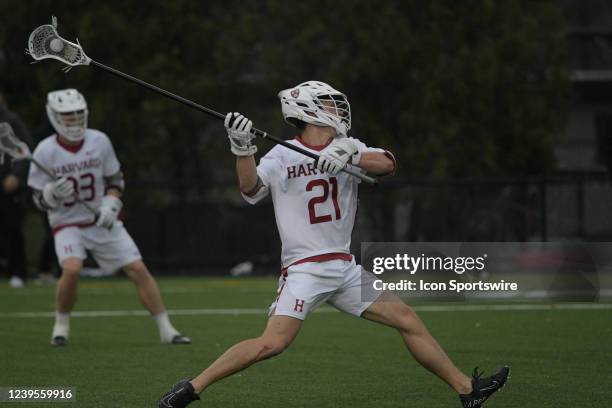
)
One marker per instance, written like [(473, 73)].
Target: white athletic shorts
[(111, 248), (342, 284)]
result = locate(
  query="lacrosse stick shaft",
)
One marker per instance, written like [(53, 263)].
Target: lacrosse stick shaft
[(50, 174), (218, 115)]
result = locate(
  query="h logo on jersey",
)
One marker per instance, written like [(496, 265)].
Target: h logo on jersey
[(299, 305), (295, 92)]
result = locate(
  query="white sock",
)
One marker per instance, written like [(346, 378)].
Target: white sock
[(62, 325), (166, 329)]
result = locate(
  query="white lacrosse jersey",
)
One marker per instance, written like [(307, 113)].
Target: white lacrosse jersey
[(315, 212), (86, 166)]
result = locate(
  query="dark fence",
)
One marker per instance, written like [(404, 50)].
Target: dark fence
[(190, 228)]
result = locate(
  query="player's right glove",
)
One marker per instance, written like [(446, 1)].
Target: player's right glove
[(56, 192), (239, 132)]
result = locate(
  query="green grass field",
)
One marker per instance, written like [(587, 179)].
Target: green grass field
[(559, 357)]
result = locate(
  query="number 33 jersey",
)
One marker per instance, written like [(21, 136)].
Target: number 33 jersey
[(315, 211), (85, 165)]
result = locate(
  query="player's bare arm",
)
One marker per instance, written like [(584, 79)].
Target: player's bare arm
[(247, 173), (377, 163)]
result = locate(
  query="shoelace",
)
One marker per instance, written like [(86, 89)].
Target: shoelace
[(476, 375)]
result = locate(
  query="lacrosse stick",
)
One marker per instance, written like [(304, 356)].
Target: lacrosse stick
[(45, 43), (18, 150)]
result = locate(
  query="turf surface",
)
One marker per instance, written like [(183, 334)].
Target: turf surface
[(559, 358)]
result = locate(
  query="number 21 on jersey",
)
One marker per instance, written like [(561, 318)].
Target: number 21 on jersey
[(323, 186)]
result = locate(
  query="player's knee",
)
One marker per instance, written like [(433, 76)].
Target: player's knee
[(71, 268), (406, 318), (273, 346), (137, 271)]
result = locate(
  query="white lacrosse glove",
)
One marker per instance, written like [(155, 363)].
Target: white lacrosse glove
[(109, 211), (55, 192), (335, 156), (239, 132)]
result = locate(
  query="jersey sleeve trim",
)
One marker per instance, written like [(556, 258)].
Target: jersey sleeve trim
[(258, 186), (392, 158)]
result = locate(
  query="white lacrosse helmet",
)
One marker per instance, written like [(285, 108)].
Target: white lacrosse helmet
[(67, 112), (316, 103)]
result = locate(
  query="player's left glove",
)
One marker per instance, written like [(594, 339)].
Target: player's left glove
[(239, 132), (335, 156), (109, 211)]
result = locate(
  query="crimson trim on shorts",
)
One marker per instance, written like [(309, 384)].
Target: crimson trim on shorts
[(317, 148), (72, 148), (58, 228), (332, 256)]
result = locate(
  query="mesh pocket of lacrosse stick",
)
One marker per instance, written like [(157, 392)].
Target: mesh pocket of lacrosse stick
[(12, 146), (45, 42)]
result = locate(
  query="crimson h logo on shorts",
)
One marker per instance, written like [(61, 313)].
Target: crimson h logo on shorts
[(299, 305)]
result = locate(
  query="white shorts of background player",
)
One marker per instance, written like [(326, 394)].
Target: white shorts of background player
[(111, 248)]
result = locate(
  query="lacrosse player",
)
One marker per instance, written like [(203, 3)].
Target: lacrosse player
[(84, 163), (315, 206)]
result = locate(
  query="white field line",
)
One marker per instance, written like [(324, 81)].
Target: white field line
[(256, 311)]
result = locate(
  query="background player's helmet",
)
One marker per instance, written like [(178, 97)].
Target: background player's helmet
[(67, 112), (316, 103)]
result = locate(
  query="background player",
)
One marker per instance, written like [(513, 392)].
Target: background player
[(85, 163), (315, 206)]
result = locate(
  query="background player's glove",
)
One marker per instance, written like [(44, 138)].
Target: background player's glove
[(55, 192), (239, 132), (335, 156), (109, 211)]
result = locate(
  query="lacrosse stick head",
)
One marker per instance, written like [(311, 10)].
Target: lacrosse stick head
[(45, 42), (11, 145)]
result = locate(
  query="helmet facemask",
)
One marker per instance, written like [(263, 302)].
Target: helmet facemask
[(337, 109)]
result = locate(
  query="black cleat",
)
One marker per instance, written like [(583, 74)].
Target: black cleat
[(59, 341), (483, 388), (180, 339), (181, 395)]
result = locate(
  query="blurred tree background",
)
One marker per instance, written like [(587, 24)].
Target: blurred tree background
[(454, 89)]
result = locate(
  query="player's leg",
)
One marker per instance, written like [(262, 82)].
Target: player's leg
[(298, 294), (150, 296), (358, 297), (392, 311), (147, 289), (114, 249), (67, 286), (66, 294), (70, 253), (277, 336)]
